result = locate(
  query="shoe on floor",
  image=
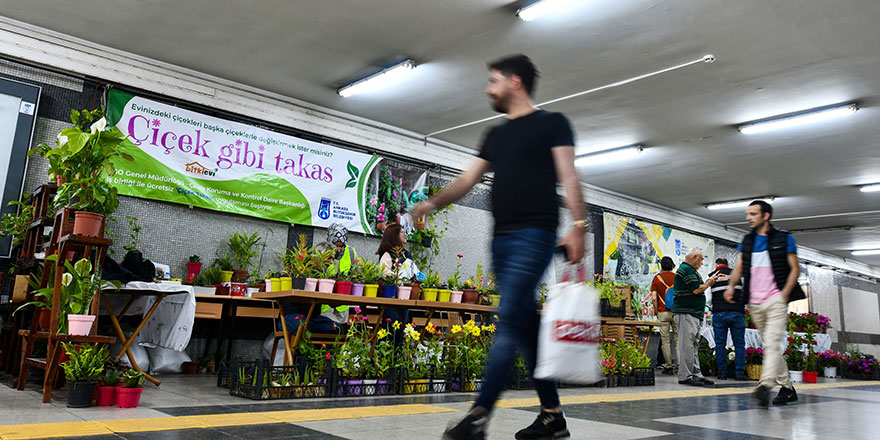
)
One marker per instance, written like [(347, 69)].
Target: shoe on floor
[(785, 396), (762, 394), (721, 376), (706, 381), (667, 371), (742, 377), (693, 381), (546, 426), (471, 427)]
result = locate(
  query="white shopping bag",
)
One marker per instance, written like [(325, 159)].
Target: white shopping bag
[(568, 340)]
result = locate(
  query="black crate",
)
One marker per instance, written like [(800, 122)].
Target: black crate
[(258, 380), (519, 380), (608, 311), (643, 376), (434, 383), (355, 386)]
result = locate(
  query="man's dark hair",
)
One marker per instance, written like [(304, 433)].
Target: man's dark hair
[(765, 207), (666, 264), (721, 262), (519, 65)]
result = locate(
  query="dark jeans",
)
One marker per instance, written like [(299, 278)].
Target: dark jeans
[(519, 259), (317, 323), (736, 322)]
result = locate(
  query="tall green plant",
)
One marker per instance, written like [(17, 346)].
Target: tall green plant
[(81, 285), (16, 225), (244, 249), (86, 362)]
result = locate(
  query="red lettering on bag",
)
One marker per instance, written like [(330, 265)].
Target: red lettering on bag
[(575, 331)]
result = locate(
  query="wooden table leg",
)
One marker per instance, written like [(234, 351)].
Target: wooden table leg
[(53, 356), (288, 349), (126, 343)]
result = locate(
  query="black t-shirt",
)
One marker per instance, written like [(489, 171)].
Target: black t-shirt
[(524, 188)]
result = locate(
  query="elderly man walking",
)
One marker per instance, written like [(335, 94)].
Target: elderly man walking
[(687, 311)]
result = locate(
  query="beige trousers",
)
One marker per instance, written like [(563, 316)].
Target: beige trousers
[(666, 339), (771, 319)]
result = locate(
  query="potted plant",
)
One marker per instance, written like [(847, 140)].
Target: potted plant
[(106, 392), (454, 283), (297, 262), (244, 250), (16, 225), (413, 371), (356, 274), (224, 262), (389, 286), (193, 267), (470, 295), (82, 370), (430, 287), (82, 163), (794, 357), (327, 276), (829, 361), (372, 273), (129, 395), (754, 362), (81, 285)]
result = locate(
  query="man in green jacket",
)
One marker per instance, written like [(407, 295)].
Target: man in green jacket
[(687, 311)]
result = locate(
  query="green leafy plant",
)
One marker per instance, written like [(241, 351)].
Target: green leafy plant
[(372, 272), (208, 277), (224, 262), (244, 249), (195, 259), (134, 233), (133, 378), (81, 285), (297, 261), (86, 362), (608, 290), (110, 378), (321, 260), (432, 280), (16, 225), (83, 161)]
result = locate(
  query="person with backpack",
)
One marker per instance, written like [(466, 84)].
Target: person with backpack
[(728, 316), (768, 261), (662, 291)]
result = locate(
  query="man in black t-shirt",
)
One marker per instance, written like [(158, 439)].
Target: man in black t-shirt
[(530, 153)]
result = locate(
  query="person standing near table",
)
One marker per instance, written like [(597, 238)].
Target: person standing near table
[(687, 311), (530, 153), (728, 316), (768, 262), (661, 283)]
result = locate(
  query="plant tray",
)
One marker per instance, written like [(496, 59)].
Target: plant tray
[(430, 384), (519, 380), (355, 386), (257, 380), (643, 376), (609, 311)]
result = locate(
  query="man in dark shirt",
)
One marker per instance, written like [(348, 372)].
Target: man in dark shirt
[(688, 307), (530, 152), (728, 316)]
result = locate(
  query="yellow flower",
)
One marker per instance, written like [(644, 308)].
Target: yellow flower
[(382, 333), (430, 328), (475, 331), (456, 328), (469, 325), (396, 325)]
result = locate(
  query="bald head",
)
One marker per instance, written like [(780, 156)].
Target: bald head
[(694, 257)]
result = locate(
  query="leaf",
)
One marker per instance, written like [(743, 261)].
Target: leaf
[(74, 116), (351, 183), (76, 142), (353, 171)]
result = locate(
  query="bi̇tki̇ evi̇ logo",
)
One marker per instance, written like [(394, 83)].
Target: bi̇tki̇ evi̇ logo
[(197, 168)]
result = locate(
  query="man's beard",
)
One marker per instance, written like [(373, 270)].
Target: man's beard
[(500, 104)]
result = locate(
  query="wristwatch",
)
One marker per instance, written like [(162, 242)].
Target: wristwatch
[(581, 224)]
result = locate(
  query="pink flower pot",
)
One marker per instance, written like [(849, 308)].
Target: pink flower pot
[(455, 296), (325, 285), (311, 284), (403, 292), (106, 396), (128, 397), (80, 325), (343, 287)]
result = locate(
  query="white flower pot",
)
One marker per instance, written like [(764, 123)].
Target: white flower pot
[(830, 372), (796, 376)]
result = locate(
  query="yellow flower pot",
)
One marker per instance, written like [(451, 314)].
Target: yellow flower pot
[(371, 290), (226, 276), (443, 295), (286, 283), (496, 300), (430, 294)]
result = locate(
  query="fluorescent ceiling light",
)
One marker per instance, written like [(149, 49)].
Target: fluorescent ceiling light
[(378, 80), (539, 8), (737, 203), (870, 188), (866, 252), (610, 155), (800, 118)]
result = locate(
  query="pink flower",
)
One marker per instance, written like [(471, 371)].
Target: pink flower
[(357, 309), (380, 218), (395, 193), (298, 317), (382, 208), (373, 201)]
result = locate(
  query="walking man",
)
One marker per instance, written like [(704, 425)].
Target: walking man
[(728, 316), (688, 307), (661, 283), (768, 263), (530, 153)]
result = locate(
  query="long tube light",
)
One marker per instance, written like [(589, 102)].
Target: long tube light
[(539, 8), (870, 188), (609, 155), (737, 203), (378, 80), (866, 252), (801, 118)]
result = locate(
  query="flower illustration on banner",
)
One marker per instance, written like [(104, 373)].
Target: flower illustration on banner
[(382, 208), (238, 142), (262, 147), (157, 123)]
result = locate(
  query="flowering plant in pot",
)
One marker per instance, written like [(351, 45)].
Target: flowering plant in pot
[(372, 274), (297, 261), (80, 285), (383, 359), (829, 361), (244, 251), (129, 395), (754, 362), (413, 370), (353, 359), (82, 370), (193, 268), (794, 356), (357, 277), (82, 163), (106, 392), (470, 294)]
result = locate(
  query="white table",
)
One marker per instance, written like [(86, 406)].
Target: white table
[(171, 324), (753, 339)]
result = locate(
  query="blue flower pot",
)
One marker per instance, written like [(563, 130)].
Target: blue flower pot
[(389, 291)]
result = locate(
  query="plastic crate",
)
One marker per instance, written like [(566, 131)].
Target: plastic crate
[(257, 380), (643, 376), (434, 383), (609, 311), (355, 386)]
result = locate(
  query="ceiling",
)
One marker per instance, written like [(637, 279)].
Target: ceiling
[(772, 58)]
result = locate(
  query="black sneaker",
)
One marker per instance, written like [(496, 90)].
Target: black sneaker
[(471, 427), (721, 376), (762, 393), (693, 381), (785, 396), (667, 371), (546, 426), (706, 381), (742, 377)]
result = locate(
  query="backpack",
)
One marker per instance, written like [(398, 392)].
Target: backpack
[(668, 297)]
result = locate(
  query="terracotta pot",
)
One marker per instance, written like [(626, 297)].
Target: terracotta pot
[(239, 276), (416, 290), (80, 325), (381, 226), (420, 224), (470, 296), (45, 318), (87, 223)]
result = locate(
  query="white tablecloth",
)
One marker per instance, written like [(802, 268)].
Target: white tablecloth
[(753, 339), (171, 324)]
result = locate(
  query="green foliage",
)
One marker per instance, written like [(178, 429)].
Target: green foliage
[(133, 378), (432, 280), (608, 290), (134, 233), (297, 261), (372, 272), (436, 226), (111, 378), (83, 159), (81, 285), (208, 277), (16, 225), (195, 259), (86, 362), (244, 249), (620, 357), (224, 262)]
